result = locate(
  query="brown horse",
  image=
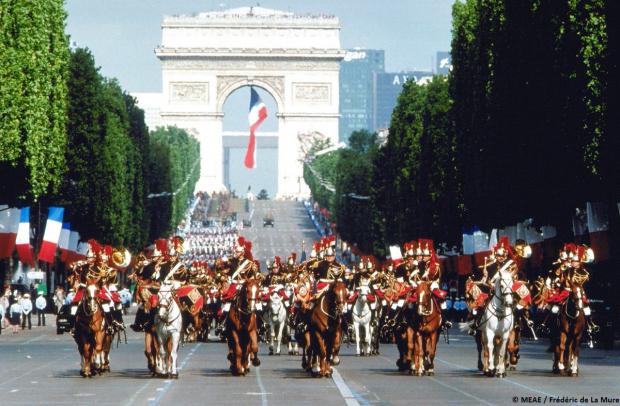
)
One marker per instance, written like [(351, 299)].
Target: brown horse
[(326, 329), (90, 331), (424, 330), (241, 332), (571, 325)]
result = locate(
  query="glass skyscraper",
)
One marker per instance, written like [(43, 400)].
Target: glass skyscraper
[(356, 89), (386, 88)]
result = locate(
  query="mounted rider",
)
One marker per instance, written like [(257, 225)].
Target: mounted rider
[(430, 270), (148, 276), (276, 279), (503, 258), (243, 267), (570, 272), (328, 270)]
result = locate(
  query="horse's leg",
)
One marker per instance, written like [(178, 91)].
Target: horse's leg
[(253, 346), (320, 353), (335, 346), (501, 352), (511, 351), (272, 334), (106, 353), (356, 328), (487, 340), (99, 337), (478, 338), (367, 331), (432, 350), (163, 354), (418, 351), (237, 353), (279, 336), (561, 350), (174, 348)]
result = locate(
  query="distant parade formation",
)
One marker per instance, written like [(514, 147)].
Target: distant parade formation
[(210, 284)]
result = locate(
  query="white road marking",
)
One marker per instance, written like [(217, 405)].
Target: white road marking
[(263, 392), (168, 385), (344, 389), (445, 385), (510, 381), (14, 390)]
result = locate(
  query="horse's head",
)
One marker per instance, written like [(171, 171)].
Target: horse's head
[(275, 301), (363, 290), (425, 298), (165, 299), (91, 293), (339, 291), (503, 287), (249, 295)]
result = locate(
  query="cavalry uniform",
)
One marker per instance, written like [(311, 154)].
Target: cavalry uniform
[(570, 274), (477, 289)]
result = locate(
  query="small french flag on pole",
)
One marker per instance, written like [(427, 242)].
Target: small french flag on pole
[(258, 114), (22, 242), (53, 230)]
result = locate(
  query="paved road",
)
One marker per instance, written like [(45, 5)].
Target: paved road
[(39, 367)]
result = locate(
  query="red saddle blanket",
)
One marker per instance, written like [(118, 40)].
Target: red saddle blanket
[(190, 299)]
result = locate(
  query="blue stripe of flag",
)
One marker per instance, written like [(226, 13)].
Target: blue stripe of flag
[(56, 213), (24, 215)]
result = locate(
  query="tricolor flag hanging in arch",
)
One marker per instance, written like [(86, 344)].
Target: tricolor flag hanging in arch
[(258, 114), (53, 228)]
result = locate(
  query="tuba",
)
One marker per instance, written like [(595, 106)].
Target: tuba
[(120, 259)]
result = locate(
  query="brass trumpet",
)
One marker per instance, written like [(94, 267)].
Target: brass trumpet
[(120, 259)]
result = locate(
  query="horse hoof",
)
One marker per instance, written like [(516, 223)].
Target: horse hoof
[(411, 372), (430, 373), (574, 374), (256, 362), (500, 375), (512, 368), (336, 360)]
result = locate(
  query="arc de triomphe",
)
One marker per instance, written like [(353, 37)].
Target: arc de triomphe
[(207, 56)]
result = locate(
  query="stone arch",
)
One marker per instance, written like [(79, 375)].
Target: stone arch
[(226, 85)]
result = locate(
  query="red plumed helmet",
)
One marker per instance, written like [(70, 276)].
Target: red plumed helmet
[(94, 248), (161, 246), (276, 260), (502, 247)]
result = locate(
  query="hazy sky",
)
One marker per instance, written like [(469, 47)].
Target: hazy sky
[(122, 34)]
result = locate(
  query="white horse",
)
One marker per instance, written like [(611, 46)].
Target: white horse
[(498, 321), (277, 322), (168, 325), (362, 316)]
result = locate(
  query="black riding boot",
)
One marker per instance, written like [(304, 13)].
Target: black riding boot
[(138, 324)]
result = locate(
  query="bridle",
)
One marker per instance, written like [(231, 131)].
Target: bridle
[(505, 291), (165, 302), (338, 304), (421, 307)]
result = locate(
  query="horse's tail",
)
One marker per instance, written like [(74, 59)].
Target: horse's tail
[(464, 326)]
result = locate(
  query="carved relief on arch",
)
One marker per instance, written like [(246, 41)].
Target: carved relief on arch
[(227, 84)]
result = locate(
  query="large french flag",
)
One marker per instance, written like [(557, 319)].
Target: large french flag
[(258, 114), (53, 229), (63, 242), (22, 242), (9, 223)]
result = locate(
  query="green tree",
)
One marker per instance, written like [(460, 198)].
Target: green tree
[(34, 56)]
